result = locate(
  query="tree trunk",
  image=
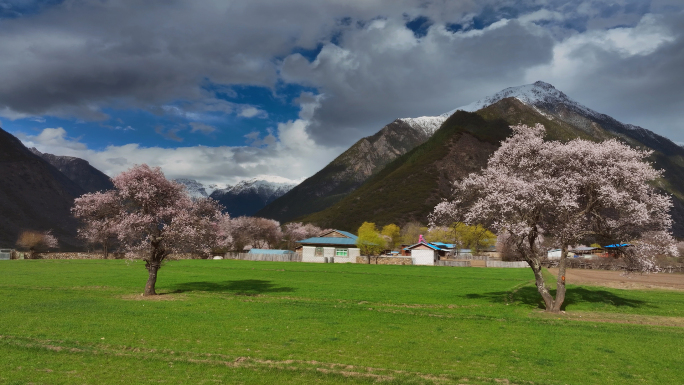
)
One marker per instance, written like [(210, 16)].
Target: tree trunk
[(153, 264), (560, 283), (541, 285), (152, 268), (105, 249)]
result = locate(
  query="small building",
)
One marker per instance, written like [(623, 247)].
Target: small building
[(269, 251), (334, 246), (6, 254), (424, 253), (576, 252)]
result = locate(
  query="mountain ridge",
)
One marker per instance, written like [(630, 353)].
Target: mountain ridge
[(352, 168), (79, 171)]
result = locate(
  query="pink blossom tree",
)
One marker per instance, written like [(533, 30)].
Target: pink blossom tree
[(569, 192), (98, 208), (260, 233), (296, 231), (151, 218)]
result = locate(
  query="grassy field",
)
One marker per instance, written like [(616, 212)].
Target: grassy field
[(84, 322)]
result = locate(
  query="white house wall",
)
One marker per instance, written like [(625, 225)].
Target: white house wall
[(309, 255), (423, 257)]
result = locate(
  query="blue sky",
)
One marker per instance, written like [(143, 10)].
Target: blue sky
[(221, 92)]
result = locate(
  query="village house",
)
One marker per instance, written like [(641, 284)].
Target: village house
[(425, 253), (335, 246)]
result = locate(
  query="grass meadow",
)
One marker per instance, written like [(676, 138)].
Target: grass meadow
[(241, 322)]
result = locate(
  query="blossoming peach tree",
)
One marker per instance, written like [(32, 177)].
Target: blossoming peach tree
[(151, 217), (569, 192)]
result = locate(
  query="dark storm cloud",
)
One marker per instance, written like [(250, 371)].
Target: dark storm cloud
[(384, 72)]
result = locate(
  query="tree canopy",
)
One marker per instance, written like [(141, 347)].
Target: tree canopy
[(370, 242)]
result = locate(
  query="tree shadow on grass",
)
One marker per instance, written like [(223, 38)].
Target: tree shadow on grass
[(242, 287), (577, 295)]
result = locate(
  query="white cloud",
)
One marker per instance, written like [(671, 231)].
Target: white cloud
[(288, 155), (251, 112), (203, 128)]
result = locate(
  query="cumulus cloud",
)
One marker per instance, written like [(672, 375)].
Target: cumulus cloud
[(286, 155)]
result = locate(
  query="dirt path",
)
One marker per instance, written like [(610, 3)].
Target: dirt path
[(616, 280)]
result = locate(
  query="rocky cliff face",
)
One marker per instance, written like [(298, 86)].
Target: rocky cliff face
[(78, 171), (34, 195), (353, 167)]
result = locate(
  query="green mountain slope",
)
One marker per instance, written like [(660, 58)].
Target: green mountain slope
[(409, 187)]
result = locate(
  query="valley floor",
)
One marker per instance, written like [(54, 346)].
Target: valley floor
[(240, 322)]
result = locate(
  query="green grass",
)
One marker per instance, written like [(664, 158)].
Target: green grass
[(83, 322)]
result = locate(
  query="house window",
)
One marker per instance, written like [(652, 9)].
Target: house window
[(318, 252), (341, 252)]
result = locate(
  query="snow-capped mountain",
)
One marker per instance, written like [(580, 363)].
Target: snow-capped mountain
[(531, 94), (245, 198), (263, 188), (196, 189), (249, 196), (555, 105)]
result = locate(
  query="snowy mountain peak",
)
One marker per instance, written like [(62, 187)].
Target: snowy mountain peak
[(260, 186), (196, 189), (536, 94)]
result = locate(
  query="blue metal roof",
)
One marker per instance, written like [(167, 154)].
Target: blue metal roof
[(443, 245), (329, 241), (433, 247), (350, 235), (616, 245), (269, 251)]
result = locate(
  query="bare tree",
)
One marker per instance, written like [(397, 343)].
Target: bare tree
[(34, 240)]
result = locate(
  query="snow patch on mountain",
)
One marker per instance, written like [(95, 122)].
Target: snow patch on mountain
[(196, 189), (426, 124)]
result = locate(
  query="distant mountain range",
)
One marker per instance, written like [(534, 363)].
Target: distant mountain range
[(408, 188), (245, 198)]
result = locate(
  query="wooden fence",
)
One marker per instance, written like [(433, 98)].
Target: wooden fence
[(291, 257), (519, 264), (470, 257), (453, 263)]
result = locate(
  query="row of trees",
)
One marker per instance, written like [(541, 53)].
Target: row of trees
[(373, 242)]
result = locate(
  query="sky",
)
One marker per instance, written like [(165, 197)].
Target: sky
[(222, 91)]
